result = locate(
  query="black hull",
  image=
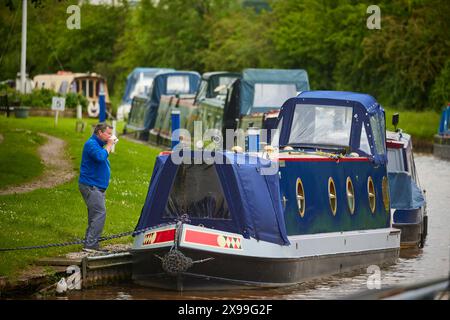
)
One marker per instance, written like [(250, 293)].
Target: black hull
[(226, 271), (412, 234)]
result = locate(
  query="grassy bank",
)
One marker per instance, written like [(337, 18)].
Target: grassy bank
[(421, 125), (59, 214), (19, 164)]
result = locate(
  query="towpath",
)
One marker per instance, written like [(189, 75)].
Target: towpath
[(58, 168)]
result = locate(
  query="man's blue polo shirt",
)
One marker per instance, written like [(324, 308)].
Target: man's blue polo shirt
[(94, 169)]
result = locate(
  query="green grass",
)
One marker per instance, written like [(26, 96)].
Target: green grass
[(420, 125), (19, 165), (59, 214)]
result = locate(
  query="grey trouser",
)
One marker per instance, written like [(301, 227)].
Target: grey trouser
[(95, 202)]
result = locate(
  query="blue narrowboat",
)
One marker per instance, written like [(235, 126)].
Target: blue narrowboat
[(441, 146), (314, 203), (408, 203), (209, 98), (144, 108)]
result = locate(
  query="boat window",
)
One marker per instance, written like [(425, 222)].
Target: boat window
[(198, 193), (350, 195), (202, 90), (276, 137), (364, 140), (315, 124), (377, 124), (91, 88), (83, 87), (177, 84), (273, 95), (395, 160), (63, 88), (300, 197)]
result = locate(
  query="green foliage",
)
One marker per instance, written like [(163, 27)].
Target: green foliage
[(75, 99), (403, 65), (440, 93)]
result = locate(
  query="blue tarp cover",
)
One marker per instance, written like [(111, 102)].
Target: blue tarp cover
[(253, 199), (250, 77), (404, 192), (159, 88), (444, 125), (133, 78)]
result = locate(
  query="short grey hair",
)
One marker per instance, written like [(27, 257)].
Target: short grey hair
[(102, 127)]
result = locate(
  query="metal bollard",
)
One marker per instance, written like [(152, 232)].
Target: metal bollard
[(253, 139)]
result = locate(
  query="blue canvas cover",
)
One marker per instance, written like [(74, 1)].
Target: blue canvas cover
[(134, 76), (253, 199), (159, 88), (366, 111), (251, 77), (405, 194), (444, 125)]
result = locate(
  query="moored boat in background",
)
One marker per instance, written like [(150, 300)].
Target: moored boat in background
[(408, 202)]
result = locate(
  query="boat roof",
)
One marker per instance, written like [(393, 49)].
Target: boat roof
[(148, 70), (254, 78), (207, 75), (365, 100)]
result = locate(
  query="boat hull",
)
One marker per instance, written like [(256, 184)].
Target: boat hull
[(216, 270)]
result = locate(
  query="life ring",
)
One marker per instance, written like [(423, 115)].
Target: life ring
[(93, 109)]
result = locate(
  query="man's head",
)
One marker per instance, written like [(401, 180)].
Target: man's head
[(103, 131)]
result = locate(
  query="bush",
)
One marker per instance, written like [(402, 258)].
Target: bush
[(74, 99)]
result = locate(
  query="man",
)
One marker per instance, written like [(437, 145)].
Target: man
[(94, 180)]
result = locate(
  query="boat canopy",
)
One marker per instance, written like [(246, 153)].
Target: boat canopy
[(444, 125), (230, 197), (334, 119), (168, 83), (139, 81), (261, 90), (215, 83)]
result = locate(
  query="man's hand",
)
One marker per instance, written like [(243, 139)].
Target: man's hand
[(109, 145)]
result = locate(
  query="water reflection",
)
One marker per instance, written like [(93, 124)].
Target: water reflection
[(413, 265)]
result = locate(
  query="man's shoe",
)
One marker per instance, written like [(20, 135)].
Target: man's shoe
[(90, 250)]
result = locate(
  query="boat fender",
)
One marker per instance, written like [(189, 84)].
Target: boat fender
[(61, 286), (175, 262)]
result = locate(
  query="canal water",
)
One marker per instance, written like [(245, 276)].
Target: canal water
[(429, 263)]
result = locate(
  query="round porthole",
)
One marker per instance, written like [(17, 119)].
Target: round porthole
[(385, 189), (300, 197), (371, 194), (332, 195), (350, 195)]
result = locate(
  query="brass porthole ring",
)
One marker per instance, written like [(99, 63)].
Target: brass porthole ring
[(300, 192), (332, 196), (386, 197), (350, 195), (371, 194)]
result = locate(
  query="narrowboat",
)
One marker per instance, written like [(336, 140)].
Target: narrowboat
[(139, 82), (441, 146), (255, 99), (144, 108), (89, 85), (209, 97), (313, 203), (408, 202)]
